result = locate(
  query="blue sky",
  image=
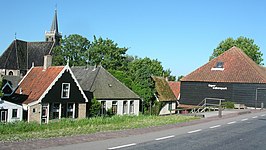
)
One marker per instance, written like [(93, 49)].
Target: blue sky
[(180, 34)]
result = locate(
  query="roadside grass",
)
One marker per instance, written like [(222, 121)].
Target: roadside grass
[(67, 127)]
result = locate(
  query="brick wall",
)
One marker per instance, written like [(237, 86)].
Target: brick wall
[(34, 113), (82, 110)]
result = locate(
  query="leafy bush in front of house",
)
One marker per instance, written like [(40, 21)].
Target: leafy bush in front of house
[(67, 127), (109, 112), (228, 104), (95, 108)]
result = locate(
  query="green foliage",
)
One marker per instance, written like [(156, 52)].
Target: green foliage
[(134, 72), (109, 112), (67, 127), (75, 48), (123, 77), (95, 108), (228, 104), (141, 71), (179, 77), (157, 107), (167, 73), (246, 44), (108, 54)]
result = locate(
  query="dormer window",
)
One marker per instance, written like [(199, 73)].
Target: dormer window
[(219, 66)]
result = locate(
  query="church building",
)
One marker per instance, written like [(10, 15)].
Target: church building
[(21, 55)]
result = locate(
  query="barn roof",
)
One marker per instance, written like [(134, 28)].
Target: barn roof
[(231, 66)]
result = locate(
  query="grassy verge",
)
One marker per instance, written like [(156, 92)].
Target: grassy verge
[(67, 127)]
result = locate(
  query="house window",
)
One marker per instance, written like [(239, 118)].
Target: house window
[(10, 73), (44, 110), (65, 90), (125, 107), (114, 107), (14, 113), (170, 106), (44, 113), (103, 107), (56, 110), (33, 110), (131, 109), (70, 110)]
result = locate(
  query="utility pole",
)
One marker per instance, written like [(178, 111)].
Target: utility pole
[(220, 111)]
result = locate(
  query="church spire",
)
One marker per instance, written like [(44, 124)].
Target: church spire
[(53, 35), (54, 27)]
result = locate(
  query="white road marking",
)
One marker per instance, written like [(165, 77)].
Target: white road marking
[(262, 115), (231, 122), (166, 137), (215, 126), (122, 146), (195, 131), (255, 117), (244, 119)]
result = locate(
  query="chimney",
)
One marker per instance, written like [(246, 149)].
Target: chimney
[(47, 61)]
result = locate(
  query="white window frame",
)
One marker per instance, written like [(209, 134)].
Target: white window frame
[(68, 91), (16, 115), (125, 107), (131, 107)]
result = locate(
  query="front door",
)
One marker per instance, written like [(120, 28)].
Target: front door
[(44, 113), (3, 115)]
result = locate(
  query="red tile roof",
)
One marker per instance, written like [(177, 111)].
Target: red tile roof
[(37, 81), (238, 68), (175, 87)]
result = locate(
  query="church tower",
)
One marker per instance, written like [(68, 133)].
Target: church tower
[(53, 35)]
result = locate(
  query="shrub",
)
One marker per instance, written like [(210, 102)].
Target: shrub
[(95, 108), (109, 112), (228, 104)]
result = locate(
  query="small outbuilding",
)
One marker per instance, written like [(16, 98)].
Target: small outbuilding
[(10, 112), (165, 95)]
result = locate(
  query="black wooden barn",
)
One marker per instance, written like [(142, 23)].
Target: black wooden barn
[(232, 76)]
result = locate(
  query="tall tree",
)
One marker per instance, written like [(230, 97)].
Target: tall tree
[(246, 44), (141, 71), (75, 48), (108, 54)]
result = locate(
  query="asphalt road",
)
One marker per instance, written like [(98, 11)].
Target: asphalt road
[(244, 134), (241, 132)]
